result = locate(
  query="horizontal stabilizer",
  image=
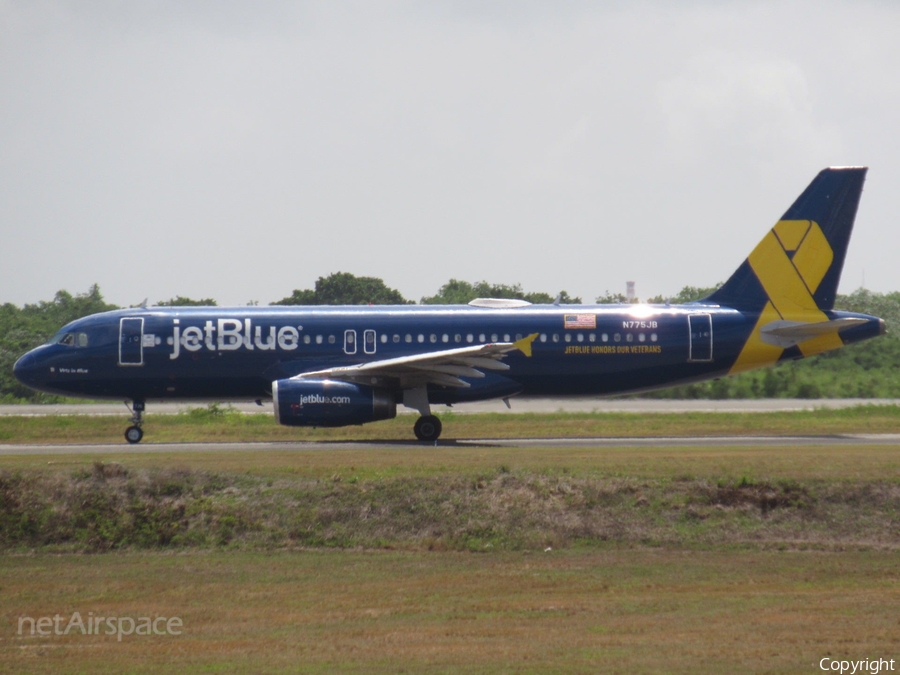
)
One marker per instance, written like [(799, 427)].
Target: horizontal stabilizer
[(786, 334)]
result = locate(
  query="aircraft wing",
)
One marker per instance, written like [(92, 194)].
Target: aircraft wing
[(444, 367)]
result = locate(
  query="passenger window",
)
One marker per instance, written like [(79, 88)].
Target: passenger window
[(568, 337), (482, 337), (306, 339), (331, 339), (580, 337), (396, 338), (653, 337), (592, 337), (432, 338), (629, 337), (470, 337), (318, 339), (421, 338), (604, 337), (445, 338), (617, 337), (543, 337), (493, 337), (457, 338), (556, 337), (641, 337), (408, 337), (383, 339), (506, 337)]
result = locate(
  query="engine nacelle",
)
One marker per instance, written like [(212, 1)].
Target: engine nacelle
[(329, 403)]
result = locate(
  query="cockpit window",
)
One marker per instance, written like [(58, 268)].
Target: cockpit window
[(73, 340)]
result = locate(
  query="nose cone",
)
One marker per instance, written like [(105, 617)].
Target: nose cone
[(26, 369)]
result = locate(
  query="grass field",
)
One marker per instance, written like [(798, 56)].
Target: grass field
[(423, 559), (598, 611), (220, 424)]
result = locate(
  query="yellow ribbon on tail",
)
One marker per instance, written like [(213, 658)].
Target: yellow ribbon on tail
[(790, 262)]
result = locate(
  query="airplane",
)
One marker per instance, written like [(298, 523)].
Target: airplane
[(343, 365)]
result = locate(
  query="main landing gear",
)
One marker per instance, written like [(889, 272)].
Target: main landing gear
[(134, 433), (428, 428)]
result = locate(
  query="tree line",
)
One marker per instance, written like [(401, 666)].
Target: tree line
[(342, 288), (869, 369)]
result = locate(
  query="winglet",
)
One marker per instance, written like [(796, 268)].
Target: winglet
[(524, 345)]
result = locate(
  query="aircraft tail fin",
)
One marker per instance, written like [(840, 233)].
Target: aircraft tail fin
[(793, 273)]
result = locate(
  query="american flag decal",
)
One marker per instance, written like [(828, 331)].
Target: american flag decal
[(580, 321)]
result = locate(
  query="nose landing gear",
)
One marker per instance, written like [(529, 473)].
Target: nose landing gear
[(134, 433)]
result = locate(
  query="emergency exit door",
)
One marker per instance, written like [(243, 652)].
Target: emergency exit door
[(701, 345), (131, 342)]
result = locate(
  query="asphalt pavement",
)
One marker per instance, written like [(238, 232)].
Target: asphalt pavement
[(517, 405), (122, 448)]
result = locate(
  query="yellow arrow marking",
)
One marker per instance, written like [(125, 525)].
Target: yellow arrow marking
[(524, 345)]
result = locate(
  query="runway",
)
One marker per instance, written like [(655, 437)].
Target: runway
[(517, 405), (326, 446)]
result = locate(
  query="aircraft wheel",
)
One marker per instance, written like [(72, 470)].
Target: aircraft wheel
[(428, 428), (134, 434)]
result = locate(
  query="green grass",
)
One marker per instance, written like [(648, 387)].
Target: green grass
[(613, 610), (454, 498), (384, 558), (374, 461), (216, 424)]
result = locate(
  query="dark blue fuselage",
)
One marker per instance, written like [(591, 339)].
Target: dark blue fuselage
[(237, 353), (335, 366)]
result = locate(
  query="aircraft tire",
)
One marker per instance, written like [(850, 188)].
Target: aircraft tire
[(134, 435), (428, 428)]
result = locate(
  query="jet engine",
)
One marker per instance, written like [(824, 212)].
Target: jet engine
[(329, 403)]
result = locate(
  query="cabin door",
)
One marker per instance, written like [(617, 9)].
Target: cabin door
[(701, 345), (369, 342), (131, 342), (349, 341)]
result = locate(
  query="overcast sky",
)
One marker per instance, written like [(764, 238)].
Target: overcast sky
[(239, 150)]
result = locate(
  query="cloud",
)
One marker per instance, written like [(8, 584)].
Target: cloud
[(240, 150), (725, 105)]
